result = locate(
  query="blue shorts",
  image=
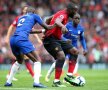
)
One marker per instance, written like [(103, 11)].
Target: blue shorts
[(21, 45)]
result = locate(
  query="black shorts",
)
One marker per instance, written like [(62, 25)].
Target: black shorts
[(53, 46)]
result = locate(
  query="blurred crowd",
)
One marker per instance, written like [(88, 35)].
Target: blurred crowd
[(94, 18)]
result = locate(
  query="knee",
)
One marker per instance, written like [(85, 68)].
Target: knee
[(74, 51), (61, 56)]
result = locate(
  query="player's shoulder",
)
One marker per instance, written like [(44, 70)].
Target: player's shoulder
[(81, 27), (35, 15), (69, 23), (61, 12)]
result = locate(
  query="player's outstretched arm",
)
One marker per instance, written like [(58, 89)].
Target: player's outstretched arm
[(48, 27), (58, 22), (48, 19), (42, 23), (37, 31), (83, 42)]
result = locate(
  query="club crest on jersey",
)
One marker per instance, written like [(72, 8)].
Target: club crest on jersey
[(61, 16), (70, 30)]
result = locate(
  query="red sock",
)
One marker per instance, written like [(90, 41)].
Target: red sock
[(58, 72), (29, 67), (71, 67)]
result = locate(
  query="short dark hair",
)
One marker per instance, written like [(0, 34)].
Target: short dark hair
[(72, 6), (31, 9)]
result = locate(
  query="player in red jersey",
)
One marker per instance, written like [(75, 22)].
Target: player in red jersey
[(53, 43)]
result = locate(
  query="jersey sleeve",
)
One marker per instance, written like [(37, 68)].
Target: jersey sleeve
[(82, 40), (38, 19), (14, 23)]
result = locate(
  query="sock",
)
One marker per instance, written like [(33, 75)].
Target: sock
[(71, 67), (29, 67), (58, 68), (51, 69), (65, 64), (11, 67), (37, 72), (13, 71), (76, 68)]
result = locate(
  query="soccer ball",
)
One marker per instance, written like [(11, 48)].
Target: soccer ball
[(80, 80)]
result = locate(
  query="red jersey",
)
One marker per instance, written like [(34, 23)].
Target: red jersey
[(56, 32), (15, 21)]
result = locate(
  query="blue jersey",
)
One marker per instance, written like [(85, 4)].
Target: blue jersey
[(75, 34), (26, 23), (19, 42)]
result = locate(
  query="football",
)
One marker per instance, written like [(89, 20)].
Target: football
[(80, 80)]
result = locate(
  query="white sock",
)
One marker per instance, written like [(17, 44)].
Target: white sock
[(13, 71), (37, 72), (50, 71), (65, 64), (76, 68)]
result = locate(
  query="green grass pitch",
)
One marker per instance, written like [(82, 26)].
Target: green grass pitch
[(95, 80)]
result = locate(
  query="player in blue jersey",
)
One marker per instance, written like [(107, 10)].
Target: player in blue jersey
[(75, 33), (21, 45)]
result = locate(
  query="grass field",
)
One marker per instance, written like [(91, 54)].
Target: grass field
[(95, 80)]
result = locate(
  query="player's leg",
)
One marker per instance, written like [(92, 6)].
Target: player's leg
[(37, 69), (66, 62), (50, 71), (69, 49), (72, 63), (56, 51), (14, 69), (58, 69), (29, 50), (52, 68), (75, 72), (7, 76), (28, 65), (19, 57)]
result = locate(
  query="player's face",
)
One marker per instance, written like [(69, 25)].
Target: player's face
[(24, 10), (76, 19)]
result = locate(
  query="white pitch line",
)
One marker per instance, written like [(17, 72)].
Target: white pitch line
[(23, 89)]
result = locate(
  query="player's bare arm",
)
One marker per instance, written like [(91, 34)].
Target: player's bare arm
[(35, 31), (58, 22), (48, 27), (48, 19)]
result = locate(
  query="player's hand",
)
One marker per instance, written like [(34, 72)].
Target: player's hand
[(85, 52), (64, 29), (69, 41)]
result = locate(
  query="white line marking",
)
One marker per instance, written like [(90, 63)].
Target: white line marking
[(23, 88)]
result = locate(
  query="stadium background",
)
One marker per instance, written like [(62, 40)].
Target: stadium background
[(94, 17)]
